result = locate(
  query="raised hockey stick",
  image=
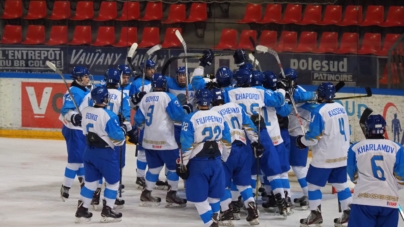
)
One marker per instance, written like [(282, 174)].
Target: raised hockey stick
[(146, 57), (184, 45), (339, 85), (254, 59), (54, 68), (130, 55), (256, 62), (368, 94)]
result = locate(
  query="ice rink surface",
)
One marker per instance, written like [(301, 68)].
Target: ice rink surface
[(32, 172)]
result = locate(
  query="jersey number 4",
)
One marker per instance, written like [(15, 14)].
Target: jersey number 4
[(378, 171)]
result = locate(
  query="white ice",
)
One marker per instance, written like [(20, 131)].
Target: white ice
[(32, 172)]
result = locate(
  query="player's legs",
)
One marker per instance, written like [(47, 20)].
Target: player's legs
[(155, 164), (169, 157), (387, 217), (364, 216), (141, 162), (338, 179), (298, 161), (75, 142), (316, 179), (242, 172)]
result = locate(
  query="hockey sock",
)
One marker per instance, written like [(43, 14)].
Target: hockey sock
[(214, 204), (152, 176), (267, 185), (225, 200), (80, 171), (276, 185), (141, 163), (301, 172), (87, 192), (110, 193), (344, 195), (246, 193), (205, 212), (253, 182), (234, 192), (99, 183), (285, 182), (70, 173), (314, 195), (172, 179)]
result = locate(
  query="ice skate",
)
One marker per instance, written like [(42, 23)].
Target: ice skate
[(119, 203), (281, 205), (174, 201), (302, 202), (64, 193), (235, 207), (108, 215), (81, 180), (226, 218), (343, 220), (215, 221), (252, 216), (82, 214), (264, 194), (288, 202), (96, 199), (161, 185), (314, 219), (147, 200), (140, 183), (270, 204)]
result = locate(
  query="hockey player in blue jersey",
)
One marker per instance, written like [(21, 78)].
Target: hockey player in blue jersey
[(203, 135), (71, 130), (103, 133), (125, 72), (238, 165), (329, 138), (178, 86), (136, 85), (373, 164), (157, 113)]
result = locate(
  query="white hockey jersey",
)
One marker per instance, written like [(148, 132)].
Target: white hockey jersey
[(377, 165), (304, 110)]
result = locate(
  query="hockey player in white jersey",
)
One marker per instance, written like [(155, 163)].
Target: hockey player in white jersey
[(158, 111), (203, 135), (329, 138), (71, 130), (376, 165), (237, 165)]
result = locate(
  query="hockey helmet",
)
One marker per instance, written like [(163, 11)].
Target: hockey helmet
[(224, 76), (100, 95), (159, 82), (270, 80), (326, 91), (375, 125)]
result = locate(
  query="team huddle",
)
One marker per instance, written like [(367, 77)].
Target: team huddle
[(222, 136)]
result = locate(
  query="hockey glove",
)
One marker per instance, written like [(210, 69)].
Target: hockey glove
[(258, 124), (188, 108), (136, 98), (258, 149), (124, 128), (121, 118), (284, 83), (299, 143), (133, 136), (181, 170), (206, 58), (76, 120)]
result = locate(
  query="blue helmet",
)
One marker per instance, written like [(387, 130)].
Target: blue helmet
[(124, 70), (257, 78), (326, 91), (149, 64), (375, 125), (270, 80), (224, 76), (243, 78), (181, 70), (79, 71), (217, 96), (240, 57), (100, 95), (204, 97), (112, 76), (159, 82), (291, 73)]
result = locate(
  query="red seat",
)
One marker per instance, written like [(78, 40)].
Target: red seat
[(293, 14), (245, 42), (332, 15), (371, 43), (108, 11), (154, 11), (170, 39), (150, 37), (269, 38), (228, 40), (273, 14), (12, 34), (84, 11), (395, 17), (312, 15), (374, 16), (287, 42), (198, 13), (349, 43), (328, 43), (58, 35), (307, 42), (36, 10), (105, 36), (394, 77), (353, 16), (130, 11), (12, 9), (389, 40), (35, 35), (61, 10), (253, 13), (128, 37), (82, 36), (177, 14)]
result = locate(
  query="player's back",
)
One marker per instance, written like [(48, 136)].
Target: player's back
[(232, 114), (249, 98), (377, 162), (115, 100)]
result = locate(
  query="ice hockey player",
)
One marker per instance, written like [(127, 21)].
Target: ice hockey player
[(375, 163), (329, 138), (177, 87), (203, 135), (103, 133), (125, 72), (237, 165), (158, 111), (71, 130)]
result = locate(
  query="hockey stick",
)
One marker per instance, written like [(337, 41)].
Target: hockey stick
[(256, 62), (54, 68), (368, 94), (400, 209), (184, 45), (130, 55), (258, 159), (339, 85), (253, 53), (146, 57), (121, 148)]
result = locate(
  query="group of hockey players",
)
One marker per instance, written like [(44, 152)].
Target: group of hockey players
[(222, 137)]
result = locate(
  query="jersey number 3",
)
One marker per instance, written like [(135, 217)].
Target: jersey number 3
[(378, 172)]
